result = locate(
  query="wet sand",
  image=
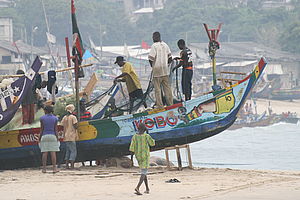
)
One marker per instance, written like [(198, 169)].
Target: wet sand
[(116, 183)]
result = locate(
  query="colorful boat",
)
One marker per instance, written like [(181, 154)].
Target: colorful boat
[(285, 94), (178, 124), (273, 90), (265, 121)]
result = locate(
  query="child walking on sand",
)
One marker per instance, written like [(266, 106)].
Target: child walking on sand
[(140, 146)]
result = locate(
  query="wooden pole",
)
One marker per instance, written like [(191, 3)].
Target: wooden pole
[(68, 51), (213, 47), (167, 158), (69, 64), (76, 68), (178, 158), (189, 156), (214, 68), (59, 70)]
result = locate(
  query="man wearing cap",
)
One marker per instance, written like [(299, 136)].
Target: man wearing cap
[(69, 122), (159, 58), (132, 81)]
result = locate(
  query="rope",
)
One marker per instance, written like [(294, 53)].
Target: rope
[(142, 100), (178, 93), (138, 102), (98, 98)]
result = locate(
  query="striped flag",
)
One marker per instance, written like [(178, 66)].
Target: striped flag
[(77, 47)]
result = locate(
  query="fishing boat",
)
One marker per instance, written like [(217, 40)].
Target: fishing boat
[(274, 89), (181, 123), (110, 136), (289, 117), (259, 121)]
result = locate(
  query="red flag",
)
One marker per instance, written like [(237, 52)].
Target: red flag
[(145, 45)]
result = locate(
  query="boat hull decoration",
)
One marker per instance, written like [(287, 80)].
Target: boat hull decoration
[(181, 123)]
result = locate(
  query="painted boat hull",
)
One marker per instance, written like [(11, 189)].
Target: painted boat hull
[(263, 122), (181, 123), (291, 120), (287, 94)]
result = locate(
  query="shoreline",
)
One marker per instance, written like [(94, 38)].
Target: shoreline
[(119, 183), (278, 107)]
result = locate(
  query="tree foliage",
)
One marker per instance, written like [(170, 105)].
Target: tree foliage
[(179, 19)]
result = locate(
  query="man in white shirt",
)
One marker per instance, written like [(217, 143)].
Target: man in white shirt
[(159, 58)]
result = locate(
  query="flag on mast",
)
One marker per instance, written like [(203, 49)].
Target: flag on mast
[(77, 46), (145, 45)]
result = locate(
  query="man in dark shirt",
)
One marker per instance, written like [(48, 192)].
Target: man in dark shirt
[(185, 61)]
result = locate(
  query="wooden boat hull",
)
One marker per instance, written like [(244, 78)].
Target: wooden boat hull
[(285, 94), (181, 123), (291, 120), (263, 122)]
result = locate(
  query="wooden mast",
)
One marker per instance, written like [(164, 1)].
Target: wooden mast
[(76, 67), (213, 46)]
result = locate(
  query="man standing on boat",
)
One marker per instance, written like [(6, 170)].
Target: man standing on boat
[(159, 58), (132, 81), (28, 104), (186, 62)]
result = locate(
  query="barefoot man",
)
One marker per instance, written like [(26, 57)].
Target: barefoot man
[(140, 146)]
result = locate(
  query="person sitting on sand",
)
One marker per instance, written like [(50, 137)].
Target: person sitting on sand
[(140, 146), (70, 123), (49, 137)]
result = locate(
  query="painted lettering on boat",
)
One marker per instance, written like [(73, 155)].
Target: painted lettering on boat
[(28, 137), (156, 122)]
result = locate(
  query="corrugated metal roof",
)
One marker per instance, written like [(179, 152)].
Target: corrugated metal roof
[(21, 47), (244, 51), (240, 64), (273, 69)]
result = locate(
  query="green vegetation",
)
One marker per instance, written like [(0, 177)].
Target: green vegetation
[(278, 28), (60, 106)]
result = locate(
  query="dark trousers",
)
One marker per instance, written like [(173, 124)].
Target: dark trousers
[(136, 94), (186, 83)]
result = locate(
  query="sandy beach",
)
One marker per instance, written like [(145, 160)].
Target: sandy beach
[(117, 183), (278, 106), (93, 183)]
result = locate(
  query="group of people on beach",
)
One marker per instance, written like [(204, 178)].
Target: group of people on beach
[(159, 58), (49, 142), (49, 136)]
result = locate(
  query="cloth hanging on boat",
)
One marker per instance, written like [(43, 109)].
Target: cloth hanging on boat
[(12, 96), (37, 82), (80, 73), (51, 82)]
